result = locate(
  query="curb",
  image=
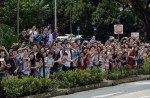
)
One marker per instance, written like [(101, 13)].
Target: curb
[(106, 83), (130, 79)]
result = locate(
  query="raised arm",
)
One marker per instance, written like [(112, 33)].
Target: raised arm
[(72, 60), (29, 65), (74, 50), (7, 54)]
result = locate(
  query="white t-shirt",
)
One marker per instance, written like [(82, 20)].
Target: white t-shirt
[(49, 61), (50, 38), (67, 64), (33, 35)]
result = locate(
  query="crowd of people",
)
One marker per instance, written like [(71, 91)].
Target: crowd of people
[(41, 54)]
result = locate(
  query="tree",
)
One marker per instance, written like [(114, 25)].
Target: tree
[(31, 13), (140, 8), (82, 15), (109, 13), (7, 36), (86, 13), (81, 11)]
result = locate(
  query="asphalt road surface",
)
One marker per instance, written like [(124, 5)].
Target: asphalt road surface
[(140, 89)]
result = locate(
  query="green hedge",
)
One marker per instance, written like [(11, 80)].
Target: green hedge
[(122, 72), (127, 71), (78, 77), (15, 87), (146, 67)]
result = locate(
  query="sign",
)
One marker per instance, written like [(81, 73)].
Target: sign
[(148, 56), (78, 28), (135, 35), (118, 29)]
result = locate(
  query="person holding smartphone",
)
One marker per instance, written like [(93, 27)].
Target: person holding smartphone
[(49, 63), (4, 53), (26, 63), (3, 60), (64, 61), (24, 66)]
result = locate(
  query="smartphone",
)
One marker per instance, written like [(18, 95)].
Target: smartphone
[(108, 53), (2, 59), (26, 59)]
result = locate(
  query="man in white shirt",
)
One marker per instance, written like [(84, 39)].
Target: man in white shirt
[(67, 51), (33, 34), (50, 37)]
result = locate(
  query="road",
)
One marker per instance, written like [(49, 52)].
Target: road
[(140, 89)]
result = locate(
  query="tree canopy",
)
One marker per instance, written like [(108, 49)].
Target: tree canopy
[(133, 14), (7, 36)]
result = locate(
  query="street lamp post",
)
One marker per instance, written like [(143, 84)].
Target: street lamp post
[(18, 18), (55, 14)]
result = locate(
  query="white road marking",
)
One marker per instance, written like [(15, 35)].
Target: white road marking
[(101, 96), (145, 97)]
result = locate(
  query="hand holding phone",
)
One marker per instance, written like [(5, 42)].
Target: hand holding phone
[(2, 59)]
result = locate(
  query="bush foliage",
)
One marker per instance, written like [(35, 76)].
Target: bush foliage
[(15, 87), (7, 36), (127, 71), (78, 77)]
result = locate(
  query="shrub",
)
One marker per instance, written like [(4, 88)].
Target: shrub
[(140, 70), (122, 72), (14, 87), (78, 77), (127, 71), (96, 75), (146, 67), (114, 75)]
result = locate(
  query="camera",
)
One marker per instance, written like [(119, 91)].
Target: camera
[(85, 44)]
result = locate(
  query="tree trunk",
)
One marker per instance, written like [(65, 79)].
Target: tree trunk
[(147, 30)]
